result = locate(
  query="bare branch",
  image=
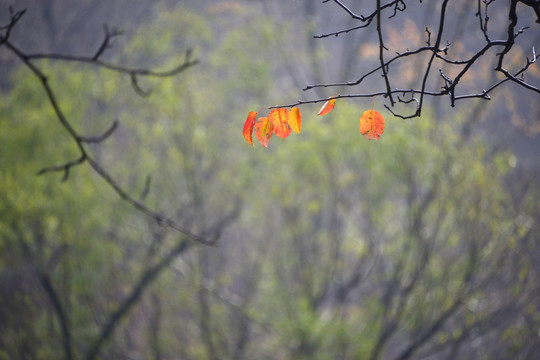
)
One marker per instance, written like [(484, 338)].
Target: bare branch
[(146, 189), (136, 87), (117, 68), (374, 70), (450, 84), (397, 5), (107, 41), (483, 21), (161, 219), (336, 33), (144, 281), (102, 137), (381, 55), (436, 46), (80, 140), (15, 17), (54, 298), (352, 14), (63, 167), (60, 311)]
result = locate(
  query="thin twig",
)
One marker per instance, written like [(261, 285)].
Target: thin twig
[(102, 137), (381, 54), (398, 5), (106, 41)]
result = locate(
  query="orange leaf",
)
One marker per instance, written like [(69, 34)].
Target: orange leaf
[(295, 120), (327, 107), (263, 130), (371, 124), (248, 127), (279, 118)]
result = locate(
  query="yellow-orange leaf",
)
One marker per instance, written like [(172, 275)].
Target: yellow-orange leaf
[(279, 118), (295, 120), (248, 127), (327, 107), (372, 124), (263, 130)]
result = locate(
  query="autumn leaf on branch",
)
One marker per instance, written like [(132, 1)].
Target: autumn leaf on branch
[(280, 121), (263, 130), (327, 107), (372, 124), (248, 127), (295, 120)]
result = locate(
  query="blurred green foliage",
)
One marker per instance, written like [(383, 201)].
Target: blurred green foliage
[(346, 248)]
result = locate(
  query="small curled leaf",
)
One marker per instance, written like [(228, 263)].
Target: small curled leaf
[(327, 107), (248, 127)]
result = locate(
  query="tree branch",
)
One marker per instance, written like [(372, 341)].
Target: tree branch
[(56, 303), (80, 140), (381, 54), (107, 41), (398, 5), (450, 84), (146, 279)]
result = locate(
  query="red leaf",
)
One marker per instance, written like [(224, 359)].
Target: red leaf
[(263, 130), (295, 119), (372, 124), (327, 107), (248, 127), (279, 118)]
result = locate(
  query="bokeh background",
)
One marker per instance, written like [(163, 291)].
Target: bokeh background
[(421, 245)]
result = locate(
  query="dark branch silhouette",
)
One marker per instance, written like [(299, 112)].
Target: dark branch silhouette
[(80, 139), (438, 52)]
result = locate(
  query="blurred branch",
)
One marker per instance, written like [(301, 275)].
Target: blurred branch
[(80, 140), (148, 276), (146, 189), (64, 167), (188, 62), (206, 330), (59, 309), (56, 303), (136, 87), (100, 138), (15, 17)]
